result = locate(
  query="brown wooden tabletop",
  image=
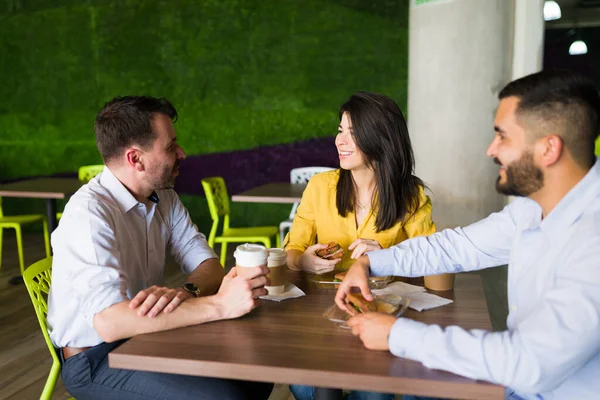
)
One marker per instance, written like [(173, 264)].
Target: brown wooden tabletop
[(291, 342), (277, 192), (41, 188)]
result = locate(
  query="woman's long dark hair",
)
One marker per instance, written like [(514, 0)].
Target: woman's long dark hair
[(380, 132)]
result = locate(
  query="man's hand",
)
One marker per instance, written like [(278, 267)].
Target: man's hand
[(373, 329), (357, 276), (155, 299), (310, 262), (361, 246), (237, 295)]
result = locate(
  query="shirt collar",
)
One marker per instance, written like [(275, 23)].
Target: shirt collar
[(120, 193), (574, 204)]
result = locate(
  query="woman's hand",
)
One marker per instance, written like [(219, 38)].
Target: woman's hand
[(362, 246), (310, 262)]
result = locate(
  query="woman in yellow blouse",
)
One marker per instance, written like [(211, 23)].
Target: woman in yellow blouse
[(373, 201)]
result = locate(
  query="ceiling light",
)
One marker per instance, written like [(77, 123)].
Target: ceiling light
[(578, 47), (551, 11)]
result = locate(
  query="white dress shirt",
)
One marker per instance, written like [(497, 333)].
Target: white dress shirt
[(551, 349), (107, 248)]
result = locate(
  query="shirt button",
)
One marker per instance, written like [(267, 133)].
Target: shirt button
[(513, 308)]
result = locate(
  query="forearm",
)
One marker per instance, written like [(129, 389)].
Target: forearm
[(207, 276), (293, 260), (556, 340), (119, 321), (448, 251)]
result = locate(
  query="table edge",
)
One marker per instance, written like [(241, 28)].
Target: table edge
[(264, 199), (33, 195), (323, 378)]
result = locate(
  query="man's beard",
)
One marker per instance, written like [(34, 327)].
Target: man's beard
[(523, 177), (163, 178)]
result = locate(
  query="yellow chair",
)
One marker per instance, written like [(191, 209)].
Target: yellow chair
[(218, 204), (37, 280), (16, 222), (85, 174)]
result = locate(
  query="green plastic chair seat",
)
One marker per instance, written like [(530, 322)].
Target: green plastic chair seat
[(37, 280), (246, 234), (20, 219)]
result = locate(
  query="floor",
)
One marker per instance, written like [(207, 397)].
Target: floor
[(24, 358)]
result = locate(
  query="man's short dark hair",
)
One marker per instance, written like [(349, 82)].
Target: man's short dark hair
[(562, 102), (125, 121)]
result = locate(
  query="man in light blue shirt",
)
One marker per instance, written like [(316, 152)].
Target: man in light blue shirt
[(109, 257), (546, 125)]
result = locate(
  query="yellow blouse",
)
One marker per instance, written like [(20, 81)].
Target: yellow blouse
[(317, 217)]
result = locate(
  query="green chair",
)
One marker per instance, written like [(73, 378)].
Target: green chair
[(218, 204), (16, 222), (37, 280), (86, 173)]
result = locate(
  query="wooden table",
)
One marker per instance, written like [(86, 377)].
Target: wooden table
[(277, 192), (48, 189), (291, 343)]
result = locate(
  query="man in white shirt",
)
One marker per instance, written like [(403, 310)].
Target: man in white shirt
[(546, 125), (109, 256)]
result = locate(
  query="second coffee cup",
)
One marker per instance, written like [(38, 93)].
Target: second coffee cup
[(277, 263)]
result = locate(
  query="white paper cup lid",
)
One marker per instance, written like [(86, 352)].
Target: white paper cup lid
[(250, 255), (277, 256)]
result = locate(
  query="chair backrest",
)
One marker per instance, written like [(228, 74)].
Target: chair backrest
[(303, 175), (37, 280), (87, 172), (216, 196)]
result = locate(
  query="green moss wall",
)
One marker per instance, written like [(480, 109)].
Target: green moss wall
[(241, 73)]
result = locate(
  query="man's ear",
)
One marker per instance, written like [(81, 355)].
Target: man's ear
[(550, 149), (134, 158)]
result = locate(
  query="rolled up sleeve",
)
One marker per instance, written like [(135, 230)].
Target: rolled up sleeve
[(188, 246)]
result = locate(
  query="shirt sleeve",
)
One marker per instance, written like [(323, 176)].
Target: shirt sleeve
[(420, 223), (481, 245), (188, 246), (303, 232), (559, 336), (89, 259)]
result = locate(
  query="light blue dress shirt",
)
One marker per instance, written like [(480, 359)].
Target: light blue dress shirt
[(108, 247), (551, 349)]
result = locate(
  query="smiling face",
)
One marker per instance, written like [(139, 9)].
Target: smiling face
[(519, 174), (351, 158), (163, 159)]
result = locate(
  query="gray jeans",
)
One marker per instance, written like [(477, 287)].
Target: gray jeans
[(87, 376)]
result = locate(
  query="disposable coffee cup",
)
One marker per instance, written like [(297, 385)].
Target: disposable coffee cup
[(439, 282), (248, 256), (277, 263)]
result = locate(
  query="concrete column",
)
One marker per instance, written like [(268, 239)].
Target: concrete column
[(528, 39), (460, 56)]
